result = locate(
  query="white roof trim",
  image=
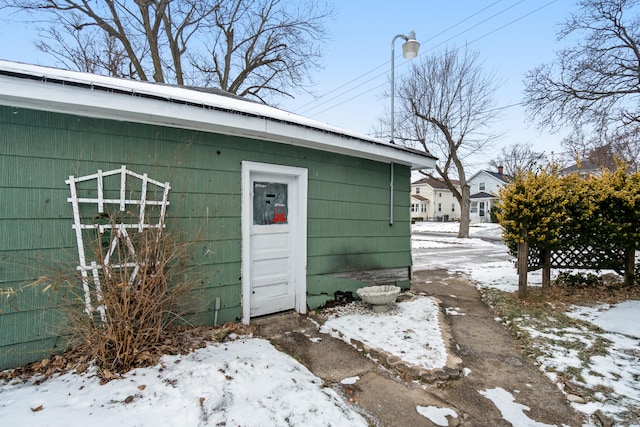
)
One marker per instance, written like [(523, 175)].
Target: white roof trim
[(489, 175), (50, 89)]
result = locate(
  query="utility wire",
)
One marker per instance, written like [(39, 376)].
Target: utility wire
[(385, 64), (377, 86), (306, 111), (302, 107)]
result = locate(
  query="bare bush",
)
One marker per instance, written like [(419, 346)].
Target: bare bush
[(143, 293)]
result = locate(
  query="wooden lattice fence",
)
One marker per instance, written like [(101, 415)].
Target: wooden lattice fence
[(578, 256), (593, 254)]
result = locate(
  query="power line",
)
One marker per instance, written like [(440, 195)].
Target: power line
[(515, 20), (478, 24), (302, 107), (307, 111)]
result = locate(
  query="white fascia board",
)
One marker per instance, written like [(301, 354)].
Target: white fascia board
[(252, 121)]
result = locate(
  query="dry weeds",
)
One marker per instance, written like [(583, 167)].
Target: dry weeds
[(178, 340)]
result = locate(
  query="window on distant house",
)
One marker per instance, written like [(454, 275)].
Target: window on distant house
[(482, 186), (413, 207), (417, 190), (474, 207), (423, 207), (453, 207), (439, 194), (439, 207), (482, 209)]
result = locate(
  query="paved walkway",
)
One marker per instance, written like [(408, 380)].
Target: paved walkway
[(484, 345)]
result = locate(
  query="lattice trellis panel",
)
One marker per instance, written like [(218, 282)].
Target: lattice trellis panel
[(580, 257), (145, 201)]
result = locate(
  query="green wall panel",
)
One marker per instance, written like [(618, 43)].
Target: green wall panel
[(25, 234), (25, 326), (50, 294), (27, 352), (341, 262), (23, 203), (355, 245)]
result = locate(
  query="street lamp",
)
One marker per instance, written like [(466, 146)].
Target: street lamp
[(409, 51)]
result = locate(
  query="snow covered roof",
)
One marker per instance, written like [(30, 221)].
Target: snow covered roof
[(90, 95), (497, 176), (435, 183), (482, 195)]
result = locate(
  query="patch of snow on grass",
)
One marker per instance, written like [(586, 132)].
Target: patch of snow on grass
[(622, 318)]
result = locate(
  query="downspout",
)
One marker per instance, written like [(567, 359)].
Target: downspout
[(391, 197), (217, 310)]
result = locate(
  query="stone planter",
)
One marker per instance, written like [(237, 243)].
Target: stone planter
[(379, 296)]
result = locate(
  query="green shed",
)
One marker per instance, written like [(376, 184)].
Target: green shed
[(287, 210)]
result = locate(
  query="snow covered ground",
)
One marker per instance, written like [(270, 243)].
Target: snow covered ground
[(613, 369), (239, 383), (247, 382)]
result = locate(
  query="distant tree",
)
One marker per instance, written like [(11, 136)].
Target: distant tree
[(622, 146), (517, 158), (625, 146), (255, 48), (593, 87), (448, 105)]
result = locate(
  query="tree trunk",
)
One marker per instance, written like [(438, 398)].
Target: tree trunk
[(629, 266), (546, 268), (465, 208), (523, 256)]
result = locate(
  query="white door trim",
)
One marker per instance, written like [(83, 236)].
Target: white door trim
[(299, 248)]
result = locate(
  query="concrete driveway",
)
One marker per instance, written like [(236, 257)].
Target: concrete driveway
[(491, 358)]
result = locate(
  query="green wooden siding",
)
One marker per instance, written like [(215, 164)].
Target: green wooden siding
[(348, 213)]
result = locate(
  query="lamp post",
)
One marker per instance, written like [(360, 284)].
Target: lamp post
[(409, 50)]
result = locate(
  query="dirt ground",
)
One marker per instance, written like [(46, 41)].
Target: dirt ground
[(484, 346)]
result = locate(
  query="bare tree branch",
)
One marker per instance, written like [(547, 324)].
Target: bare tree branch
[(448, 103), (594, 86), (263, 49), (517, 158)]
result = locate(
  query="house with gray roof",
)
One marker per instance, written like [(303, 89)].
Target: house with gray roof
[(484, 186)]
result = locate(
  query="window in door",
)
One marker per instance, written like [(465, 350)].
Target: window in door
[(270, 203)]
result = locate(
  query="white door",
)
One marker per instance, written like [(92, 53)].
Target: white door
[(274, 229)]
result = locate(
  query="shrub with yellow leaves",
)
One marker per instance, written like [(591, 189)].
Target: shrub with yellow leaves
[(599, 214)]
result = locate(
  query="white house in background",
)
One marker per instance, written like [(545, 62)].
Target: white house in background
[(431, 200), (484, 187)]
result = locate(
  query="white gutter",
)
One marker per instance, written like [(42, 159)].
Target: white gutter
[(50, 89)]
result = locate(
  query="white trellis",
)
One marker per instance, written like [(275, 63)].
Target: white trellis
[(95, 195)]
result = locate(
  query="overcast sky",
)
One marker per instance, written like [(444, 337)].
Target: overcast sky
[(512, 36)]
